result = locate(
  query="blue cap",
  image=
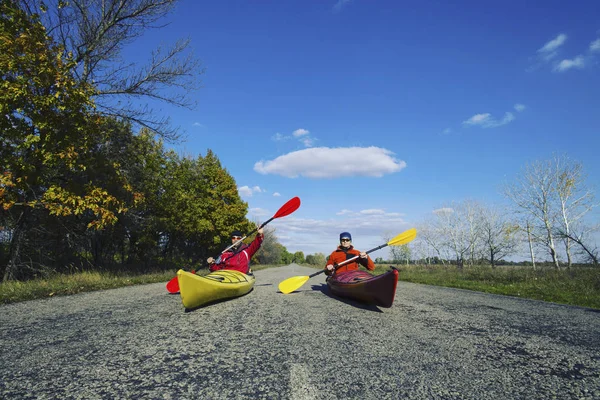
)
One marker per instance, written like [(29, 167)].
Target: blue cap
[(345, 235)]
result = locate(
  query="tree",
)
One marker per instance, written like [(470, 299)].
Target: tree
[(49, 131), (198, 207), (574, 198), (270, 251), (298, 257), (95, 33), (430, 238), (400, 253), (590, 251), (316, 259), (553, 195), (286, 256), (534, 194), (457, 225), (499, 235)]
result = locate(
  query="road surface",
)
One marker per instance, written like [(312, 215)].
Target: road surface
[(434, 343)]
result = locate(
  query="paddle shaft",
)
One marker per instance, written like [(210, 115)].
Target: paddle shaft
[(288, 208), (348, 260)]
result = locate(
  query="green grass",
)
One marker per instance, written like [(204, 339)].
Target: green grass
[(61, 285), (577, 286)]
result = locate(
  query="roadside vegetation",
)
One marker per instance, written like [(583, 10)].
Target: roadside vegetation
[(575, 286)]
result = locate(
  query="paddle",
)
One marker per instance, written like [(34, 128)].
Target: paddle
[(295, 282), (288, 208)]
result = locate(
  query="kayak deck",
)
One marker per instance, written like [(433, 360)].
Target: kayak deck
[(196, 290), (365, 287)]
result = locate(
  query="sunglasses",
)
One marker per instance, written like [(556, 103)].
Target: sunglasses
[(236, 237), (345, 240)]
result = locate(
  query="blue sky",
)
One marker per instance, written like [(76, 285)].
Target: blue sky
[(375, 113)]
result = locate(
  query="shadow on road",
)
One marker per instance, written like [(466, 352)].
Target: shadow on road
[(323, 288)]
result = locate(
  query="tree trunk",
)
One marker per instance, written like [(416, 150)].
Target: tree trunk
[(14, 253), (530, 245), (568, 251)]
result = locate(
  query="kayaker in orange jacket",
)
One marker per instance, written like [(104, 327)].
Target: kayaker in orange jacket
[(238, 257), (344, 252)]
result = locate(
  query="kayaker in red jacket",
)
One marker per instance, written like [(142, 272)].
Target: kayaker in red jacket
[(344, 252), (238, 257)]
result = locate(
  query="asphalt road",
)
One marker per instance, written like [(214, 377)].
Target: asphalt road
[(434, 343)]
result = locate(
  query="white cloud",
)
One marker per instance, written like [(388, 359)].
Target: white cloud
[(322, 236), (344, 212), (307, 142), (303, 136), (278, 137), (276, 194), (258, 212), (487, 121), (520, 107), (198, 124), (300, 132), (447, 131), (478, 119), (372, 211), (565, 65), (339, 5), (595, 46), (549, 50), (247, 191), (325, 162), (445, 210)]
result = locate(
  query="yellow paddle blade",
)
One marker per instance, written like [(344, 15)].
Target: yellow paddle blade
[(291, 284), (403, 238)]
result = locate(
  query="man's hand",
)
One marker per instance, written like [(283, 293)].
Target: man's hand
[(363, 255), (210, 260)]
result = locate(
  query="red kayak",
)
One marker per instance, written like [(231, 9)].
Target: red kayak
[(365, 287)]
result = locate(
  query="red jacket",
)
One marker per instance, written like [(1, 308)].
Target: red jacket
[(342, 254), (238, 260)]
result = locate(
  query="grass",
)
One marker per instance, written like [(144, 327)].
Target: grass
[(575, 286), (61, 285)]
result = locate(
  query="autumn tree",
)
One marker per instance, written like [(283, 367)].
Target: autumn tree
[(49, 128)]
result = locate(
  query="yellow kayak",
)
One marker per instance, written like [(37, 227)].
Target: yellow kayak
[(196, 290)]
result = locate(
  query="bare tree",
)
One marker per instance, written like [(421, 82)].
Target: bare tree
[(530, 242), (400, 253), (499, 235), (553, 195), (455, 229), (431, 239), (582, 237), (96, 32), (534, 194), (575, 200)]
